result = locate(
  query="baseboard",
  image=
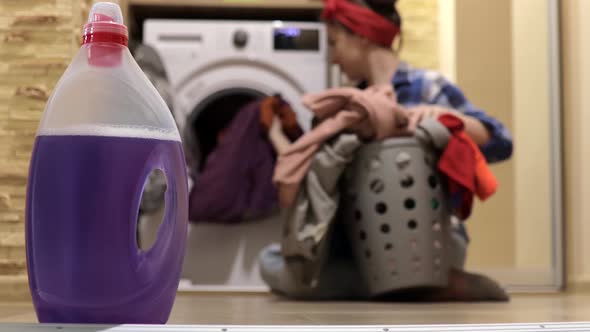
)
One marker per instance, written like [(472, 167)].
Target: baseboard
[(523, 280), (186, 287), (578, 285)]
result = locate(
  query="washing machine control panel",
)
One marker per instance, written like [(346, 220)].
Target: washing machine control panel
[(293, 38)]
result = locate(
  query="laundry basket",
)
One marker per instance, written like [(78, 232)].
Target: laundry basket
[(397, 217)]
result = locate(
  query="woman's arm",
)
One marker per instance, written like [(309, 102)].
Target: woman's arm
[(473, 127), (491, 135)]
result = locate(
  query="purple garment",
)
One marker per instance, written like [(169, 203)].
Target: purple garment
[(236, 182)]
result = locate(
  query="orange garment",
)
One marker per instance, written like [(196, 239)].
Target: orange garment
[(276, 106), (465, 167), (485, 181)]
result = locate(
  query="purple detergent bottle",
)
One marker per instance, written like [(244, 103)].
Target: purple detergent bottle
[(105, 128)]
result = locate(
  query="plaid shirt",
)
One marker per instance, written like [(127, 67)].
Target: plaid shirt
[(417, 86)]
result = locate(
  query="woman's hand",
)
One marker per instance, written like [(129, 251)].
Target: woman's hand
[(365, 130), (473, 127)]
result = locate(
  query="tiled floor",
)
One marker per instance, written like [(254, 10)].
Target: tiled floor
[(240, 309)]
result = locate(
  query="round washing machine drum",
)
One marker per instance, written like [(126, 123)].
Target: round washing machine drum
[(208, 119)]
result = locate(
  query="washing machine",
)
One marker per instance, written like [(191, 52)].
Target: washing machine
[(215, 67)]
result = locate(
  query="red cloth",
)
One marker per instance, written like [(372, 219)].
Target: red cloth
[(465, 167), (361, 20)]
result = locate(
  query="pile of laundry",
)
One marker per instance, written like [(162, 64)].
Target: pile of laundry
[(235, 183), (308, 172), (244, 179)]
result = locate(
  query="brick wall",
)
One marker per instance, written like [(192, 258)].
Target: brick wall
[(37, 41)]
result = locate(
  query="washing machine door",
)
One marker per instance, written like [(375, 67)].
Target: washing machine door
[(203, 106), (237, 75), (209, 98)]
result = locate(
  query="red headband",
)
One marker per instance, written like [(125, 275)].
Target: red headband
[(361, 20)]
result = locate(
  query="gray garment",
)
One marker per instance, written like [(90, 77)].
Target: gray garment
[(153, 192), (458, 243), (307, 224), (432, 132), (340, 279), (151, 64)]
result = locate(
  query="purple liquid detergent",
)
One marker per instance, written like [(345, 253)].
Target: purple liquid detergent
[(82, 208), (104, 130)]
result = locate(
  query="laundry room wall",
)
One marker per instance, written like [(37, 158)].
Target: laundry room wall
[(420, 28), (491, 60), (576, 102)]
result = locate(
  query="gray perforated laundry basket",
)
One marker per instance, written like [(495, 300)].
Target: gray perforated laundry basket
[(397, 216)]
